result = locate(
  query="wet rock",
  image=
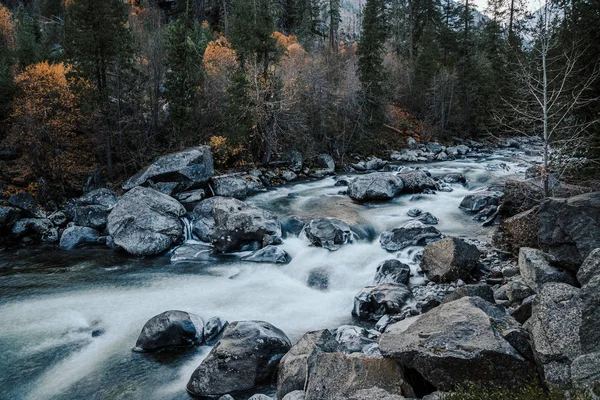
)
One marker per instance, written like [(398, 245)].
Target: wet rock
[(476, 202), (58, 218), (554, 327), (536, 269), (590, 268), (213, 330), (269, 254), (336, 376), (318, 278), (413, 234), (449, 259), (102, 197), (329, 233), (193, 166), (288, 176), (171, 330), (373, 302), (392, 271), (405, 155), (479, 290), (92, 216), (230, 186), (146, 222), (40, 228), (75, 236), (455, 177), (26, 202), (416, 181), (323, 166), (354, 339), (414, 212), (375, 186), (428, 219), (292, 226), (435, 148), (466, 340), (295, 395), (190, 252), (570, 228), (191, 196), (8, 217), (375, 164), (294, 160), (247, 355), (260, 397)]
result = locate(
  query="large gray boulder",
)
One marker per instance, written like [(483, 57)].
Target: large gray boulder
[(323, 165), (39, 228), (329, 233), (373, 302), (190, 167), (146, 222), (337, 376), (269, 254), (416, 181), (92, 209), (536, 269), (413, 234), (554, 327), (75, 236), (479, 290), (296, 365), (590, 268), (449, 259), (570, 228), (375, 186), (590, 324), (466, 340), (8, 217), (476, 202), (585, 372), (247, 355), (170, 330), (26, 202), (230, 186), (392, 271)]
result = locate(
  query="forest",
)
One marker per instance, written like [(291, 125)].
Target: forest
[(100, 88)]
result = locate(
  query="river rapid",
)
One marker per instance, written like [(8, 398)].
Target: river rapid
[(70, 319)]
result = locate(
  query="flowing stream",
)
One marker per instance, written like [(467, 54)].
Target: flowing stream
[(70, 319)]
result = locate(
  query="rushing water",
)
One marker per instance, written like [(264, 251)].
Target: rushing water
[(69, 319)]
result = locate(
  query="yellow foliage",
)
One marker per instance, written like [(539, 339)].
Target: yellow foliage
[(67, 3), (224, 152), (7, 29), (219, 58)]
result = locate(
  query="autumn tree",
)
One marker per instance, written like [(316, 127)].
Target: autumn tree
[(7, 47)]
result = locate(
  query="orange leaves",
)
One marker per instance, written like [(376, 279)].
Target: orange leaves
[(7, 29), (219, 58), (223, 152)]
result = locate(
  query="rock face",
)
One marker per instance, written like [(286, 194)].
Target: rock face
[(590, 268), (8, 217), (554, 327), (536, 270), (392, 271), (329, 233), (247, 355), (77, 235), (190, 167), (230, 186), (93, 208), (413, 234), (375, 186), (40, 228), (468, 339), (449, 259), (337, 376), (416, 181), (570, 228), (590, 325), (269, 254), (296, 365), (520, 230), (373, 302), (146, 222), (170, 330), (26, 202), (478, 201)]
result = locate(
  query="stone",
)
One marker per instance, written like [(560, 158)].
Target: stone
[(392, 271), (260, 397), (191, 196), (288, 175), (58, 218), (414, 212), (75, 236), (373, 302), (194, 166), (416, 181), (476, 202), (590, 268), (292, 226), (295, 395), (517, 291), (190, 252), (247, 356), (8, 217), (479, 290), (570, 228), (329, 233), (413, 234), (323, 165), (455, 177), (269, 254), (590, 324), (354, 339), (428, 219), (146, 222), (554, 327), (230, 186), (375, 186), (41, 228), (466, 340), (523, 312), (102, 197), (294, 160), (375, 164), (213, 330), (536, 269), (449, 259), (92, 216), (171, 330), (520, 230), (26, 202), (585, 372), (434, 147), (318, 278), (295, 366)]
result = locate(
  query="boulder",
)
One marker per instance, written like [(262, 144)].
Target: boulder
[(102, 197), (247, 355), (288, 175), (375, 164), (58, 218), (570, 228), (427, 218), (296, 365), (585, 372), (414, 212), (455, 177), (292, 226), (269, 254), (171, 330), (294, 160), (413, 234), (375, 186), (520, 230), (337, 376), (416, 181), (467, 340), (92, 216), (435, 148), (75, 236), (590, 268), (26, 202), (146, 222), (203, 221), (323, 165), (517, 291), (354, 339), (318, 278), (213, 330), (41, 228), (590, 324), (8, 217), (260, 396), (191, 196), (449, 259), (373, 302), (554, 327), (536, 269), (523, 312), (295, 395), (190, 252), (479, 290), (476, 202), (191, 167), (329, 233), (230, 186), (392, 271)]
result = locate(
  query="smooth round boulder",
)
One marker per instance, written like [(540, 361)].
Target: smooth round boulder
[(449, 259), (375, 186), (476, 202), (392, 271), (413, 234), (416, 181), (170, 330), (269, 254), (247, 355), (146, 222), (373, 302), (75, 236), (329, 233)]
